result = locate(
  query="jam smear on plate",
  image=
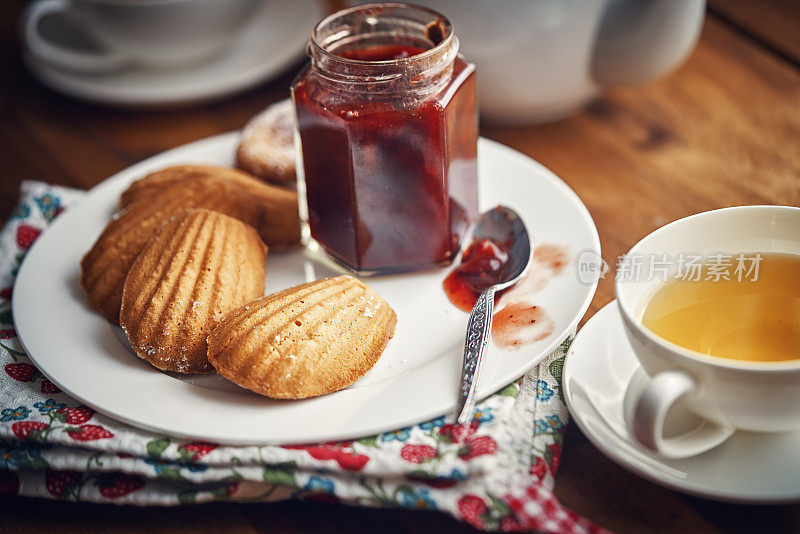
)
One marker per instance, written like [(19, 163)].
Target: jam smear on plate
[(519, 321), (520, 324)]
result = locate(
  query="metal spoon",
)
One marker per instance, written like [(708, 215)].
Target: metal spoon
[(504, 227)]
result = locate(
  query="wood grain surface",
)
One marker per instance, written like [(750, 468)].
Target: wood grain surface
[(722, 130), (772, 23)]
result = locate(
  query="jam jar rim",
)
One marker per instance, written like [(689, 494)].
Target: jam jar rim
[(435, 62), (448, 39)]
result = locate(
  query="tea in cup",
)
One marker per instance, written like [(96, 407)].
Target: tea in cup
[(746, 307), (712, 312)]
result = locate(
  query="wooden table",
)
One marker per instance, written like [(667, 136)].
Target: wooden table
[(722, 130)]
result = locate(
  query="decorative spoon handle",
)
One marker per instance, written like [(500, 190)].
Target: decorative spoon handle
[(478, 328)]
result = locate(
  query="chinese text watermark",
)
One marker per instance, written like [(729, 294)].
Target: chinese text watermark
[(717, 267)]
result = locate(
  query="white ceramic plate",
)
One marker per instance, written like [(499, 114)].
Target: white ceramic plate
[(748, 468), (415, 379), (275, 38)]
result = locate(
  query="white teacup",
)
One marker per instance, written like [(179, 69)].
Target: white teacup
[(729, 394), (155, 33)]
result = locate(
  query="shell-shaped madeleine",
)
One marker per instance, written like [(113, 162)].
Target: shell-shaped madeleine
[(200, 265), (306, 341), (152, 184), (273, 213)]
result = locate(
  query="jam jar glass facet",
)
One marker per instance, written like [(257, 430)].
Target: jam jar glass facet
[(387, 125)]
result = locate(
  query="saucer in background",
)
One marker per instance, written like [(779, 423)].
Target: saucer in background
[(275, 38), (749, 467)]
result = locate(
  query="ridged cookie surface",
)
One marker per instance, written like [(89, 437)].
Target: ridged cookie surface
[(105, 266), (201, 265), (279, 198), (306, 341)]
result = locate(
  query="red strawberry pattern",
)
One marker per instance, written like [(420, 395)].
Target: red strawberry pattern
[(323, 452), (456, 433), (318, 452), (472, 508), (418, 453), (9, 482), (538, 468), (26, 235), (116, 485), (89, 433), (477, 446), (5, 293), (347, 460), (21, 372), (197, 450), (48, 388), (58, 483), (77, 416), (350, 461), (8, 333), (28, 429)]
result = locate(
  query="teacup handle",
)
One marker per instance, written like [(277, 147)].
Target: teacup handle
[(58, 55), (650, 411)]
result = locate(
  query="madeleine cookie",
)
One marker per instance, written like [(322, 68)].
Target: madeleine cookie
[(199, 266), (105, 266), (306, 341), (267, 148), (276, 216), (154, 183)]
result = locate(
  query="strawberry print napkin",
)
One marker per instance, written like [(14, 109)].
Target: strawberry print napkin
[(496, 474)]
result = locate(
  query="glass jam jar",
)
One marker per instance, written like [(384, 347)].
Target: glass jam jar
[(387, 125)]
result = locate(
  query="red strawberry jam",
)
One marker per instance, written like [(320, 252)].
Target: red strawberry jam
[(381, 52), (388, 134)]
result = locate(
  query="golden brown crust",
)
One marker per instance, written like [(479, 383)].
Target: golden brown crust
[(154, 183), (200, 265), (306, 341), (272, 212), (267, 147)]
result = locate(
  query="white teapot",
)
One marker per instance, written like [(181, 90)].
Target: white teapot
[(541, 60)]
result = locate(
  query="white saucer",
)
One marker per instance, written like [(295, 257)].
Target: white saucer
[(274, 39), (748, 468)]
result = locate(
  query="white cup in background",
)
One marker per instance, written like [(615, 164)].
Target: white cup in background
[(542, 60), (729, 394), (153, 33)]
